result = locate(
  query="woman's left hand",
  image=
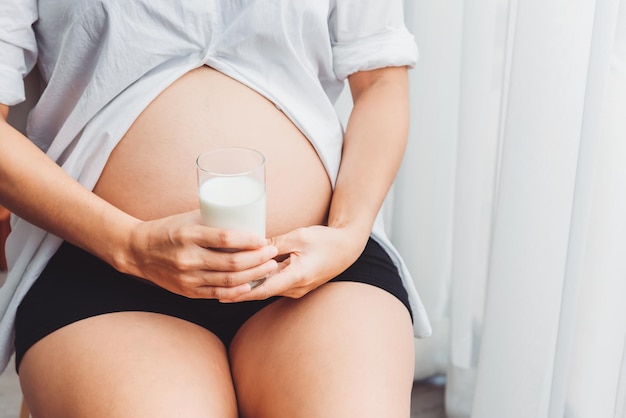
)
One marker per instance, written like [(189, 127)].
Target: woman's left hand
[(313, 256)]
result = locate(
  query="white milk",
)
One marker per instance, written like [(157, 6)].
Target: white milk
[(233, 203)]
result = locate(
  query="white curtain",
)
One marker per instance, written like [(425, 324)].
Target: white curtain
[(510, 207)]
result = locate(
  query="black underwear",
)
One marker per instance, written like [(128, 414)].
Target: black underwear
[(76, 285)]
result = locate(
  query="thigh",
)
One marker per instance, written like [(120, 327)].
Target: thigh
[(128, 364), (344, 350)]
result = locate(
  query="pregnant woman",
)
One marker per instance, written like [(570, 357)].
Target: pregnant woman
[(119, 302)]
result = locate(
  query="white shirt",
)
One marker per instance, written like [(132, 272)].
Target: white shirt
[(103, 61)]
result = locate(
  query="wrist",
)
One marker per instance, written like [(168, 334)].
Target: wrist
[(358, 232), (119, 249)]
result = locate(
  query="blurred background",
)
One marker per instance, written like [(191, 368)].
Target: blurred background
[(510, 208)]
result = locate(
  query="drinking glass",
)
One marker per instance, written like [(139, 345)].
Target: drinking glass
[(231, 190)]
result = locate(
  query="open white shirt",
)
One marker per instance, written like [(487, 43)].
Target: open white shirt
[(103, 61)]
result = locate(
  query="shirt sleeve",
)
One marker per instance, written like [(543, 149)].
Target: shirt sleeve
[(18, 47), (369, 34)]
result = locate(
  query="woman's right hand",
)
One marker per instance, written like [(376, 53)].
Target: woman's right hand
[(181, 255), (177, 253)]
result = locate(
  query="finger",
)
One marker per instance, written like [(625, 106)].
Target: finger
[(278, 283), (290, 242), (227, 285), (234, 261), (229, 279), (209, 237), (216, 292)]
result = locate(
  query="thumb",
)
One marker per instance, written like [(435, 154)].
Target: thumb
[(285, 243)]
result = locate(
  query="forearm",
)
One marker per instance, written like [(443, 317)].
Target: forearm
[(374, 144), (39, 191)]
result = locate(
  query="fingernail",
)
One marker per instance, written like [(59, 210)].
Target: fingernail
[(256, 283), (273, 251)]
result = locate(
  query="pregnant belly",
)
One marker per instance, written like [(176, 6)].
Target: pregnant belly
[(151, 172)]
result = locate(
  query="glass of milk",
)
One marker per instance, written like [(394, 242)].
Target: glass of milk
[(231, 189)]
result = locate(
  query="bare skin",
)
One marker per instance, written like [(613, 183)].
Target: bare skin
[(356, 363), (310, 355), (129, 364)]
